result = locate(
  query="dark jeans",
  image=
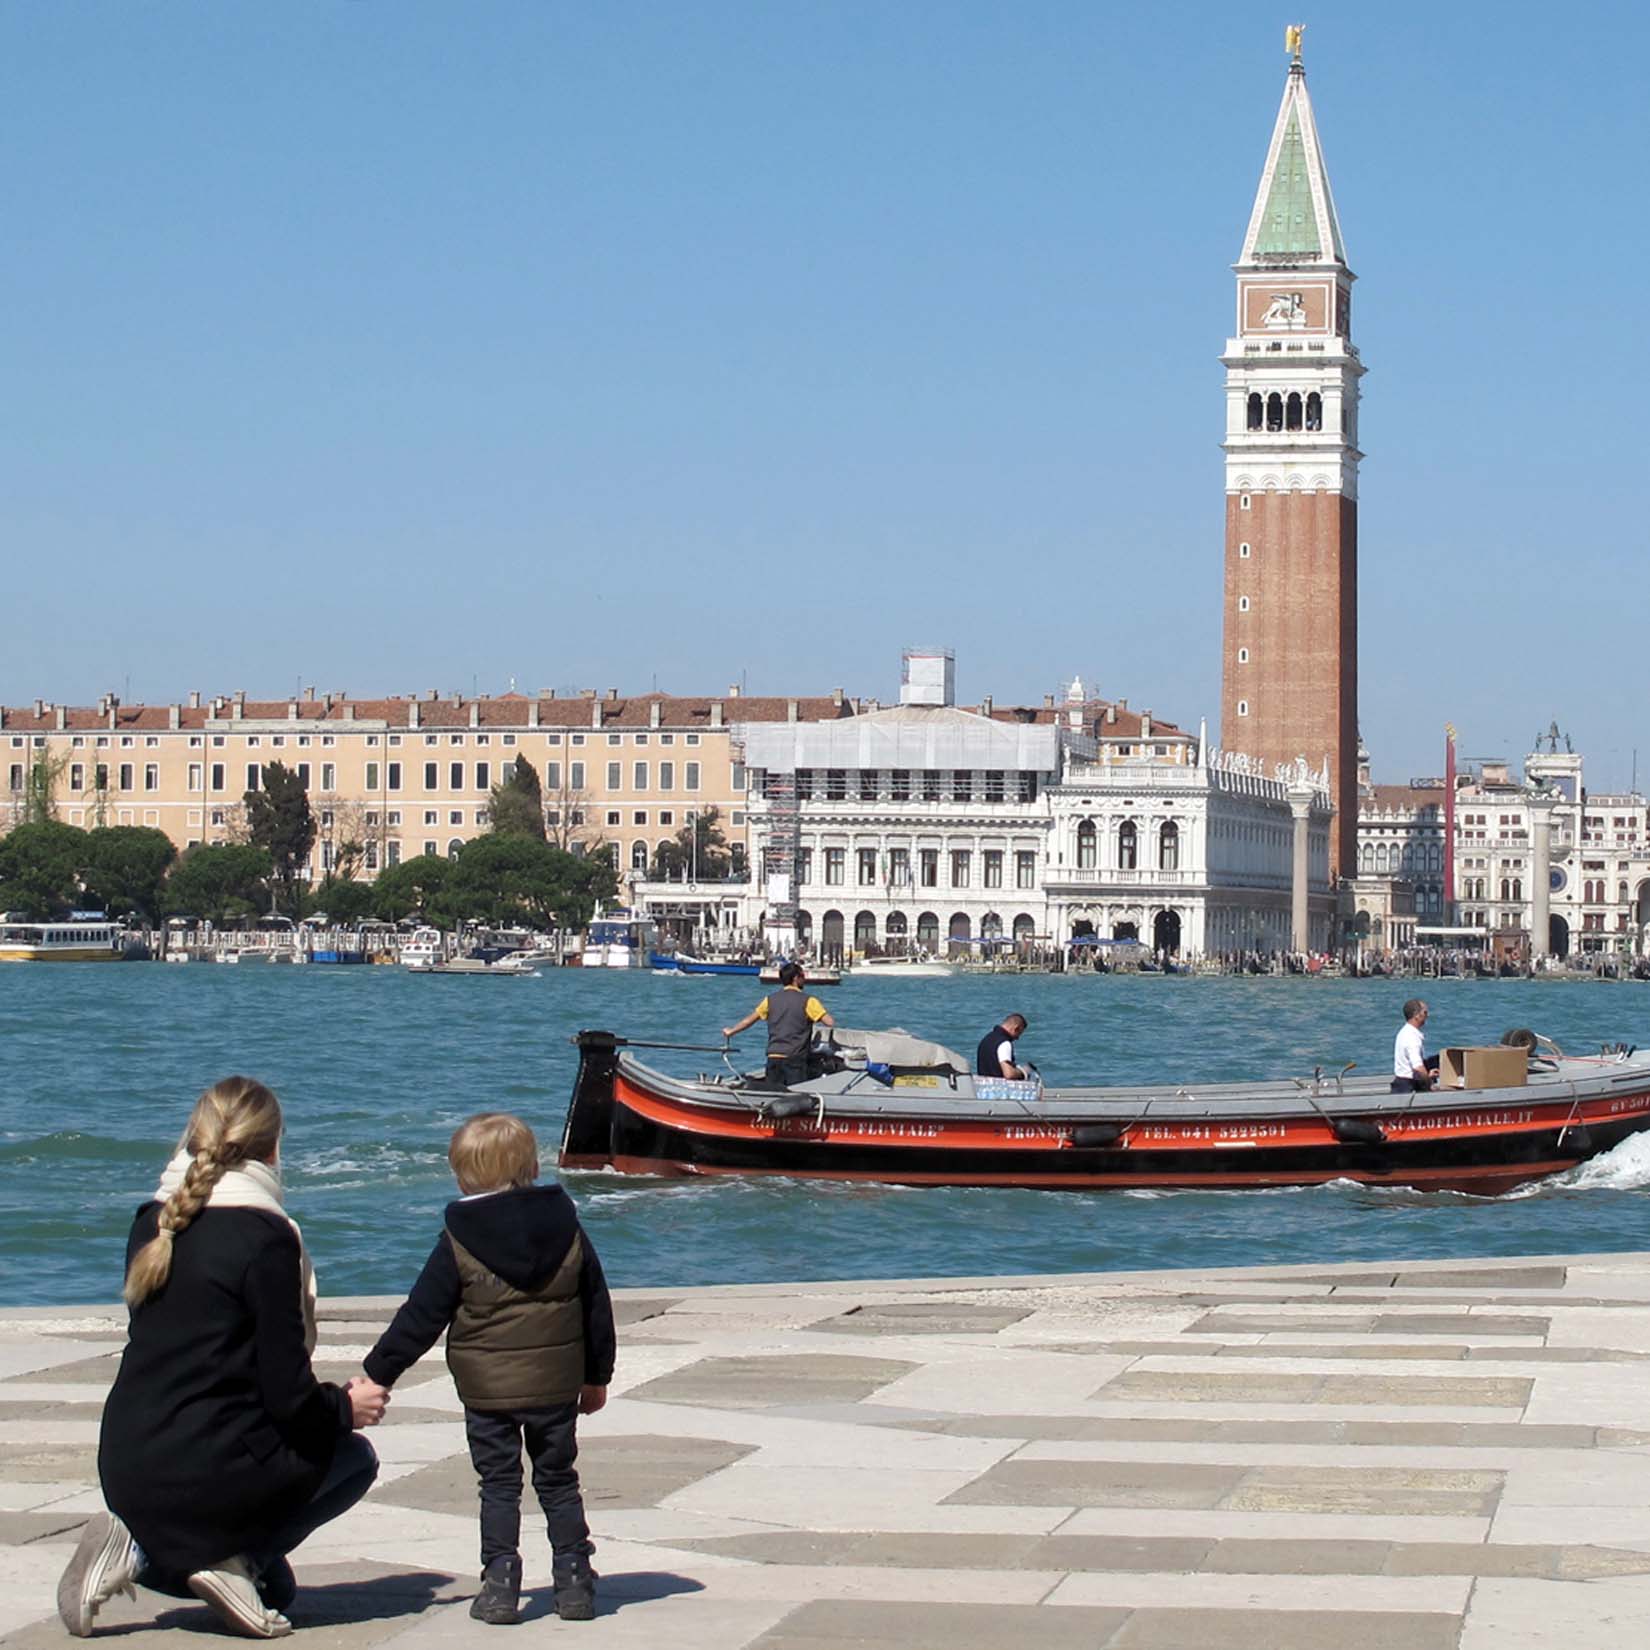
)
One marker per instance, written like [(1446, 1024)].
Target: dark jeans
[(496, 1437), (787, 1070), (354, 1467)]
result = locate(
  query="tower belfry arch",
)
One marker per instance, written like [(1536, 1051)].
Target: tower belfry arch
[(1289, 680)]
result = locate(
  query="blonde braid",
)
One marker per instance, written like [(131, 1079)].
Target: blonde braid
[(232, 1121)]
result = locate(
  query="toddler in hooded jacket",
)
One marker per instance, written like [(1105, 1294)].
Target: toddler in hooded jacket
[(516, 1283)]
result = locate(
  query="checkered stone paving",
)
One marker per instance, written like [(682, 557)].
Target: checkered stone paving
[(1416, 1456)]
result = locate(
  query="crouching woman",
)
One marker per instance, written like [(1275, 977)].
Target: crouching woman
[(220, 1451)]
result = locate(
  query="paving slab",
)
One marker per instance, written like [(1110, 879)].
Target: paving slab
[(1380, 1457)]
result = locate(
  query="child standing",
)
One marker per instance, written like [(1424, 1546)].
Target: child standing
[(530, 1347)]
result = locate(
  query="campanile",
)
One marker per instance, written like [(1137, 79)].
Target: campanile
[(1289, 680)]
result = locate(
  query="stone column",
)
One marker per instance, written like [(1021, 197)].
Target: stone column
[(1301, 797), (1541, 851)]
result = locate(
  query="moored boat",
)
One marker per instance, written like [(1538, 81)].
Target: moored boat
[(884, 1106), (76, 939), (908, 968), (677, 962), (816, 975)]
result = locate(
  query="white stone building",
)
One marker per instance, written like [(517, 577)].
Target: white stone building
[(926, 825)]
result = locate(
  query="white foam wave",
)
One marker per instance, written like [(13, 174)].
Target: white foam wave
[(1624, 1168)]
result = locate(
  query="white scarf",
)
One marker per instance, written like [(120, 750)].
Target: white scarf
[(250, 1185)]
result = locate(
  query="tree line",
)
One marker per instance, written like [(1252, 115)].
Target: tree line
[(511, 876)]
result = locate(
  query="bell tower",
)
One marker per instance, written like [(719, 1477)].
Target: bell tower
[(1289, 679)]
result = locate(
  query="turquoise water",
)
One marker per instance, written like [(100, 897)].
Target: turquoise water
[(99, 1066)]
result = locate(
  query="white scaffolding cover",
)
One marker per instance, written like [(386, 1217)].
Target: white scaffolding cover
[(912, 736)]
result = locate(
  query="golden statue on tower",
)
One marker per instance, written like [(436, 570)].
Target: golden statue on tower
[(1292, 40)]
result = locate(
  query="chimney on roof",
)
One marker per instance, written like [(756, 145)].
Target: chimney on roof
[(612, 695), (435, 693), (475, 714), (733, 690), (240, 705), (62, 717), (1048, 701), (791, 708), (1145, 724), (174, 717), (40, 707), (412, 713), (1111, 713), (837, 697), (655, 714), (985, 705), (292, 710), (195, 700), (532, 713), (349, 711), (309, 694), (595, 711), (716, 713)]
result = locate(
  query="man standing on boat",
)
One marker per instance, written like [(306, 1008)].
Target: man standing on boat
[(1411, 1069), (791, 1015), (995, 1057)]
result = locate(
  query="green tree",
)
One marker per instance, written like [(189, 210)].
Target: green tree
[(516, 804), (40, 787), (343, 901), (699, 850), (505, 881), (412, 888), (42, 869), (279, 819), (220, 883), (126, 868)]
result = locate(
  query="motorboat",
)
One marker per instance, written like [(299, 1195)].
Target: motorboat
[(918, 967), (678, 962), (886, 1106), (816, 975)]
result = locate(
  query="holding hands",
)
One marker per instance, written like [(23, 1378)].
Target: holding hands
[(368, 1401)]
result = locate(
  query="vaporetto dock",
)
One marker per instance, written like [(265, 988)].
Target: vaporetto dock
[(1420, 1455)]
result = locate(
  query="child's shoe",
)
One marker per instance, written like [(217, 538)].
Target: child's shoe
[(575, 1584), (499, 1601)]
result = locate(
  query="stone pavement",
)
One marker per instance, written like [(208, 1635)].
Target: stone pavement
[(1381, 1457)]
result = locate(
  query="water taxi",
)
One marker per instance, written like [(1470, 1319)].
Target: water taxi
[(78, 939), (618, 941), (885, 1106)]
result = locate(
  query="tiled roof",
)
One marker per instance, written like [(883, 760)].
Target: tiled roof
[(1400, 798), (506, 710), (1095, 714)]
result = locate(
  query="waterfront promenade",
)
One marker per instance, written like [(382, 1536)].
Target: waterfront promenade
[(1382, 1457)]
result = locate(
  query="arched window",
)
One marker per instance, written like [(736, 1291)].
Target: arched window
[(959, 928), (1168, 847), (453, 847), (638, 856), (896, 927), (991, 926), (1024, 928), (1621, 893), (928, 930), (1314, 411), (1506, 888), (1256, 411), (865, 930), (1367, 855), (1518, 888), (1128, 846), (830, 935), (1088, 845), (1292, 411), (1274, 411)]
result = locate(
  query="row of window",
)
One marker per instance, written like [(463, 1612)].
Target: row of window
[(1285, 412), (1127, 841), (894, 867), (902, 785)]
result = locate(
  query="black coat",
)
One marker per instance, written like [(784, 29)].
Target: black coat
[(523, 1235), (216, 1429)]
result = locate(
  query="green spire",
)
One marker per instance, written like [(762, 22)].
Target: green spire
[(1290, 221)]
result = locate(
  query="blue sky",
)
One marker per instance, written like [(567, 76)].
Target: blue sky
[(395, 346)]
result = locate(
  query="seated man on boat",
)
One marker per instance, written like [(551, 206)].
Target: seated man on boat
[(995, 1057), (1413, 1069), (791, 1015)]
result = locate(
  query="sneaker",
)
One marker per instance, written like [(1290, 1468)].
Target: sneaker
[(575, 1584), (232, 1591), (105, 1562), (498, 1603)]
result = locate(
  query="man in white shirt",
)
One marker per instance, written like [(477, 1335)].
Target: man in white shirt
[(1411, 1069)]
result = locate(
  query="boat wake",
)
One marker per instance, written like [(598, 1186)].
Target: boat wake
[(1624, 1168)]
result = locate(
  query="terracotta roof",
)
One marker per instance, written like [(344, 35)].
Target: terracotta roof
[(1095, 723), (1400, 798), (505, 710)]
